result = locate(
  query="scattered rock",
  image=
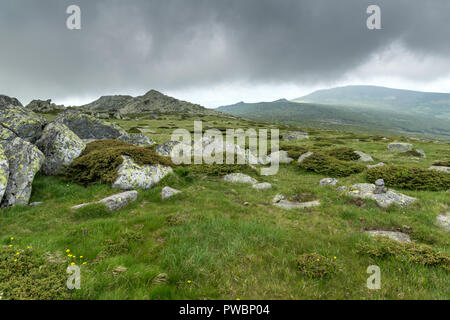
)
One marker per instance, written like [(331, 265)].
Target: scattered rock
[(117, 201), (363, 157), (443, 221), (44, 106), (304, 156), (22, 122), (342, 189), (134, 176), (295, 135), (328, 182), (60, 146), (366, 191), (79, 206), (137, 139), (381, 164), (120, 269), (239, 178), (35, 204), (400, 146), (422, 153), (168, 192), (440, 168), (280, 201), (24, 160), (282, 156), (393, 235), (262, 185)]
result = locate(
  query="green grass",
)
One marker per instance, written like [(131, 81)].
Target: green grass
[(219, 240)]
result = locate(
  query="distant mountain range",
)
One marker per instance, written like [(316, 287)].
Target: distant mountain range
[(369, 109), (151, 102)]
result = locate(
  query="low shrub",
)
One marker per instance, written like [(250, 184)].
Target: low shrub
[(410, 153), (294, 151), (100, 160), (26, 275), (444, 163), (405, 252), (326, 165), (315, 265), (344, 153), (411, 178), (134, 130)]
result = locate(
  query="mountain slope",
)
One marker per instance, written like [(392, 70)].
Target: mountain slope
[(421, 103), (151, 102), (341, 117)]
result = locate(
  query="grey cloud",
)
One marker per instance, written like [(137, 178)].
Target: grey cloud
[(174, 44)]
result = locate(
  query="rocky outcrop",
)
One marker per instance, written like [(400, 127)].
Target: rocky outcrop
[(5, 101), (60, 146), (44, 106), (383, 199), (88, 127), (168, 192), (24, 161), (22, 122), (134, 176), (295, 135), (400, 146)]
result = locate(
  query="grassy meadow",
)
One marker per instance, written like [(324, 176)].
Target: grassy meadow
[(219, 240)]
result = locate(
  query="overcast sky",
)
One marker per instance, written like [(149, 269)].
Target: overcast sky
[(217, 52)]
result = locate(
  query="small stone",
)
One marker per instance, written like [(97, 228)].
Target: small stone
[(239, 178), (342, 189), (422, 153), (120, 200), (246, 204), (363, 157), (381, 164), (328, 182), (379, 187), (443, 221), (34, 204), (304, 156), (120, 269), (168, 192), (263, 185)]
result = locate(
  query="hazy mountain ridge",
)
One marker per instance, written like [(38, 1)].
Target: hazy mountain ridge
[(349, 118), (432, 104)]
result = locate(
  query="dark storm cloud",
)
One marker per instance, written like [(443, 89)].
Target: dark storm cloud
[(174, 44)]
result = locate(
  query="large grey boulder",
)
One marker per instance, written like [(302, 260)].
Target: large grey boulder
[(385, 199), (239, 178), (24, 160), (88, 127), (60, 146), (400, 146), (295, 135), (168, 192), (363, 157), (4, 172), (134, 176), (22, 122), (393, 235)]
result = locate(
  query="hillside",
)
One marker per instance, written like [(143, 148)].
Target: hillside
[(151, 102), (427, 104), (372, 120)]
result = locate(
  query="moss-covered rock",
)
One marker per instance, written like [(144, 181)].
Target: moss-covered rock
[(24, 123), (60, 146), (24, 160)]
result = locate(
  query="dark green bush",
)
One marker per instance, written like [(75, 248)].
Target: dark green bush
[(134, 130), (412, 178), (344, 153), (315, 265), (100, 160), (326, 165), (294, 151), (444, 163)]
